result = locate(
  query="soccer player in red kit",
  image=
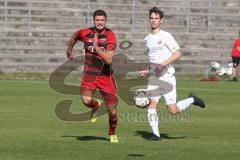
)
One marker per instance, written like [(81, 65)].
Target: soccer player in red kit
[(235, 57), (99, 44)]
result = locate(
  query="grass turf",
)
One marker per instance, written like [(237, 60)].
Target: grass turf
[(30, 129)]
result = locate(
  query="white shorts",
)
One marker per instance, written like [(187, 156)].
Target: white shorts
[(167, 88)]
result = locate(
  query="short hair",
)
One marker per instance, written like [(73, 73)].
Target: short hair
[(99, 13), (156, 11)]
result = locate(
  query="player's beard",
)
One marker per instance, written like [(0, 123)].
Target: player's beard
[(100, 31)]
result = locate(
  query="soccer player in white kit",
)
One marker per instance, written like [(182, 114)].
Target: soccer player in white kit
[(163, 50)]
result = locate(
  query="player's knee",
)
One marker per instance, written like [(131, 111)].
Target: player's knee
[(112, 110), (172, 111), (113, 113), (111, 102), (152, 105)]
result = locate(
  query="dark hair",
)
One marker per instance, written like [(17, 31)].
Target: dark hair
[(156, 11), (99, 13)]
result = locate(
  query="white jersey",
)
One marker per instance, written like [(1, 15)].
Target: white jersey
[(161, 47)]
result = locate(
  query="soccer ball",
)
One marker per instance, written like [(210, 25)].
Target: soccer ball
[(142, 98)]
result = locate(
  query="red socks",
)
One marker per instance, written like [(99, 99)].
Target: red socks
[(94, 104), (112, 124)]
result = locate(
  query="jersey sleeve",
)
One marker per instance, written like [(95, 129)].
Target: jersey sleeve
[(172, 44), (238, 43), (80, 34), (111, 42), (236, 46)]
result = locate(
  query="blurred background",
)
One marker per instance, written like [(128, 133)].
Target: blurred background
[(34, 33)]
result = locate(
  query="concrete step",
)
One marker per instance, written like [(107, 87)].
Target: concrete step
[(28, 67)]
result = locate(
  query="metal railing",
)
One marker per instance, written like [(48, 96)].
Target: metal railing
[(29, 20), (188, 16), (29, 16), (187, 19), (209, 15), (5, 15), (133, 15)]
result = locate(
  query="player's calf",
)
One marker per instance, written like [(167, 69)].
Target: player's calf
[(96, 105), (113, 119)]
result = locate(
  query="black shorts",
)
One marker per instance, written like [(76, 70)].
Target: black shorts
[(235, 61)]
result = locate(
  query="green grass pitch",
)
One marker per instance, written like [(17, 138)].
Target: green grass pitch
[(30, 129)]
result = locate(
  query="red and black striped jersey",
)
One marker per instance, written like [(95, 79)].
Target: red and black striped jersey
[(93, 63)]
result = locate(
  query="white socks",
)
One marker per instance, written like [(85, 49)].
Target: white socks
[(183, 104), (153, 120), (153, 117)]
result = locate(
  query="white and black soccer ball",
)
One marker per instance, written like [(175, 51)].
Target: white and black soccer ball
[(142, 98)]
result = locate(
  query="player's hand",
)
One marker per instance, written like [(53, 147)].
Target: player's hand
[(160, 69), (70, 55), (144, 73), (95, 41)]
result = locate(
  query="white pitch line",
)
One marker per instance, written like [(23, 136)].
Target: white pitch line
[(212, 90)]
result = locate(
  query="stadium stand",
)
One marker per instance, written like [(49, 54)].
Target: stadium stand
[(34, 35)]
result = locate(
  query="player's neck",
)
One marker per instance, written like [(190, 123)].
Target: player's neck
[(99, 31), (155, 30)]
